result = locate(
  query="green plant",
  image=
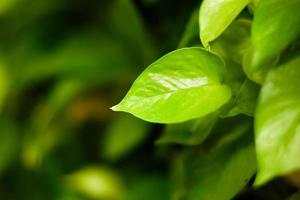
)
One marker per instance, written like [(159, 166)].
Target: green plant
[(244, 82), (226, 113)]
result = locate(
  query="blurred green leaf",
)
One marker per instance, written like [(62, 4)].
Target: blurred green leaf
[(232, 46), (275, 26), (277, 120), (216, 15), (258, 74), (189, 133), (96, 183), (123, 135), (191, 30), (234, 42), (221, 173), (9, 143), (133, 34), (90, 57), (6, 5), (149, 187), (44, 134), (173, 83), (244, 101), (4, 84)]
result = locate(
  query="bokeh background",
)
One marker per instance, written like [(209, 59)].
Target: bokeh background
[(63, 64)]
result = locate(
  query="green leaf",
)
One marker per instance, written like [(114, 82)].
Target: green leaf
[(9, 144), (113, 147), (4, 84), (95, 182), (277, 123), (232, 46), (234, 42), (275, 25), (189, 133), (92, 57), (221, 173), (244, 101), (183, 85), (6, 5), (216, 15), (258, 73), (155, 185), (191, 30), (134, 34)]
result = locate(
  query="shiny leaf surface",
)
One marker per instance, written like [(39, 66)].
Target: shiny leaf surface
[(275, 25), (187, 80), (216, 15)]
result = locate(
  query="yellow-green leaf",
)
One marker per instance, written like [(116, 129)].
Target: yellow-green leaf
[(183, 85)]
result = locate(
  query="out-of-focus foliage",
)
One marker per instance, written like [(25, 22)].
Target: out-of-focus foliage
[(63, 64)]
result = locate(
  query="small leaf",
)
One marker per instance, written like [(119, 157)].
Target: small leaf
[(275, 25), (221, 173), (183, 85), (189, 133), (277, 123), (245, 100), (232, 46), (216, 15), (258, 73)]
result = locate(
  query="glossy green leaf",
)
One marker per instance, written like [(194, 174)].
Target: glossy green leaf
[(275, 25), (223, 172), (216, 15), (277, 123), (135, 130), (189, 133), (188, 80)]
